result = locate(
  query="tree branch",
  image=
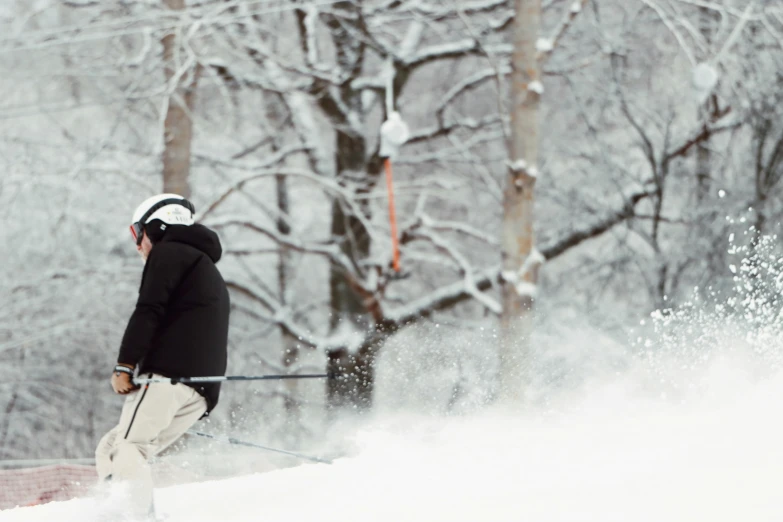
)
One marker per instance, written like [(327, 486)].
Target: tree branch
[(575, 238), (439, 131), (453, 50), (443, 298), (701, 136), (329, 250), (546, 51)]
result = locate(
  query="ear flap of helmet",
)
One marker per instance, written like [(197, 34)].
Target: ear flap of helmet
[(155, 229)]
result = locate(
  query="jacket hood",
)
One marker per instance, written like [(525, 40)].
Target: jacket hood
[(198, 236)]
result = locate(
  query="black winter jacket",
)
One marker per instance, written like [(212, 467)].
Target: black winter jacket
[(180, 325)]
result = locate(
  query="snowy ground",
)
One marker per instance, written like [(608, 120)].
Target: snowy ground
[(615, 453)]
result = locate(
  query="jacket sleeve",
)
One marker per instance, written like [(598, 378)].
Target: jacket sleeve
[(162, 273)]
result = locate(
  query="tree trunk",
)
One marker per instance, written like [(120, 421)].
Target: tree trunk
[(707, 21), (520, 264), (290, 347), (760, 223), (703, 167), (352, 388), (178, 126)]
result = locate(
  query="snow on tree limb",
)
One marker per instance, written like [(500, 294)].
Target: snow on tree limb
[(443, 246), (412, 38), (329, 250), (443, 298), (438, 131), (453, 50), (307, 128), (283, 318), (744, 19), (521, 279), (467, 7), (374, 82), (446, 154), (309, 26), (456, 226), (268, 161), (673, 28), (545, 46), (329, 185), (467, 83)]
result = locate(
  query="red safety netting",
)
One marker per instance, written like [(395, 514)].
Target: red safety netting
[(33, 486)]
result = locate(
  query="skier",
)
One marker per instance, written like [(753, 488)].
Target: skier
[(178, 329)]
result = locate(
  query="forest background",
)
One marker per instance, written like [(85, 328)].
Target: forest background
[(656, 128)]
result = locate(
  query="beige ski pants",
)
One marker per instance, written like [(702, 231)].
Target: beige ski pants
[(152, 418)]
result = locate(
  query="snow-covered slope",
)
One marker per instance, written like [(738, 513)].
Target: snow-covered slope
[(615, 454)]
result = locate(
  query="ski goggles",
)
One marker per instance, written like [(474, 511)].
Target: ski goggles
[(137, 232)]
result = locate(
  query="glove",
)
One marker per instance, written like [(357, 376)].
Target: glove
[(122, 379)]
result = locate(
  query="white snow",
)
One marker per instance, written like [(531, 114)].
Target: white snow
[(618, 453), (368, 98), (412, 38), (704, 79), (705, 76), (526, 288), (544, 45), (576, 7), (311, 18), (518, 165), (536, 256), (536, 86), (394, 132)]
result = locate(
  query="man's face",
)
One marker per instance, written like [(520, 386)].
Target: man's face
[(145, 247)]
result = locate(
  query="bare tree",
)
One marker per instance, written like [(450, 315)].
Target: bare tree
[(283, 159), (182, 75)]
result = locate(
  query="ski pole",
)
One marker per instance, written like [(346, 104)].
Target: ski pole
[(185, 380), (231, 440)]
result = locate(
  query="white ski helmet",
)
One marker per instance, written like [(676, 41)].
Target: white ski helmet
[(170, 209)]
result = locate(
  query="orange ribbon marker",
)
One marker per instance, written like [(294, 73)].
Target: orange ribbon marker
[(394, 132), (392, 217)]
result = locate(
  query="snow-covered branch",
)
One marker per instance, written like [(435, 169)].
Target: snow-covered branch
[(457, 226), (444, 297), (454, 50), (449, 154), (275, 158), (545, 46), (466, 84), (470, 285), (282, 317), (437, 131), (328, 184), (329, 250), (442, 246), (435, 12)]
